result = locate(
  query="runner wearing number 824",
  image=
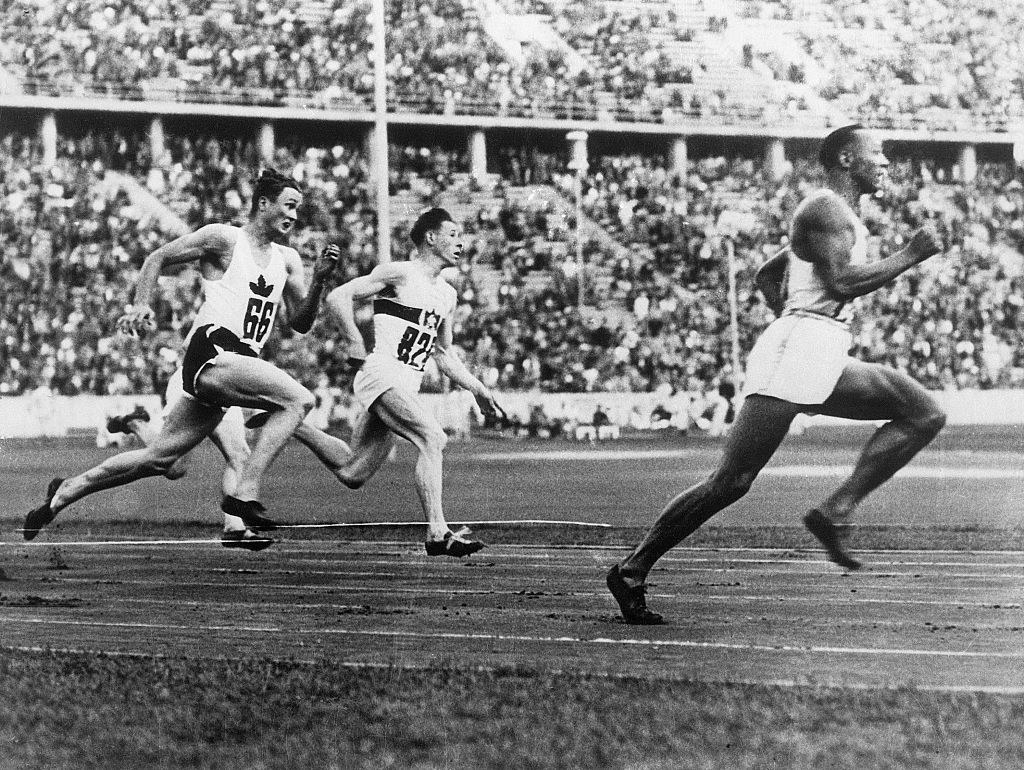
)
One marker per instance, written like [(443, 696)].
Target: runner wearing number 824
[(412, 317)]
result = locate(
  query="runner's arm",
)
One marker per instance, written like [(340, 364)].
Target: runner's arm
[(341, 303), (771, 280), (306, 303), (822, 234), (450, 365), (208, 241)]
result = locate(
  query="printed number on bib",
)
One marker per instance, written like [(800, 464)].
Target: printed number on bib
[(414, 347), (257, 319)]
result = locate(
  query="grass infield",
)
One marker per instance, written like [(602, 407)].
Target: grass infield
[(82, 710)]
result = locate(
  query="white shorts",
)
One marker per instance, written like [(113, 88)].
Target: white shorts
[(380, 374), (799, 358)]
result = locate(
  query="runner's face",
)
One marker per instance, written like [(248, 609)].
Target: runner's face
[(279, 216), (448, 243), (869, 167)]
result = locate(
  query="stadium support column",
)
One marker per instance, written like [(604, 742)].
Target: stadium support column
[(579, 164), (478, 155), (677, 156), (775, 159), (265, 142), (156, 139), (968, 163), (48, 138), (379, 140)]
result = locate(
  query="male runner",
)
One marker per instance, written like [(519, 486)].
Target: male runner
[(412, 316), (801, 364), (246, 274)]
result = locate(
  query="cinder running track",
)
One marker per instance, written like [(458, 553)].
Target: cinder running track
[(935, 619)]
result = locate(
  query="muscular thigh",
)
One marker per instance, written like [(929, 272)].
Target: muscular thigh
[(876, 392), (405, 415), (187, 423), (236, 380)]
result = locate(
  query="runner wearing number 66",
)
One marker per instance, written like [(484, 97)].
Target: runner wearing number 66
[(412, 313), (247, 273)]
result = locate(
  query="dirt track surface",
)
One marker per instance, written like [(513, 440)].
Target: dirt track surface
[(927, 619)]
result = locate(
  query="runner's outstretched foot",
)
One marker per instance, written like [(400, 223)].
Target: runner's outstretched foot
[(39, 517), (119, 423), (245, 539), (249, 511), (631, 599), (454, 544), (831, 537)]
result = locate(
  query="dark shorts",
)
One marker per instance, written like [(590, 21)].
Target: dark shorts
[(206, 344)]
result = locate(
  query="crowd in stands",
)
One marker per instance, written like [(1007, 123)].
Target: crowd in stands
[(908, 63), (655, 284), (264, 52)]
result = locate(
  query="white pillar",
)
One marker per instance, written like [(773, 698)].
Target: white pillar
[(478, 155), (265, 141), (379, 156), (157, 145), (677, 156), (48, 137), (775, 159), (968, 163)]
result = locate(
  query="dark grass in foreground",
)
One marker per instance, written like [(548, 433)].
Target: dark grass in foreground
[(81, 710)]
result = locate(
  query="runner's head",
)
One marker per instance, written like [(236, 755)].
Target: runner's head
[(275, 203), (436, 233), (856, 152)]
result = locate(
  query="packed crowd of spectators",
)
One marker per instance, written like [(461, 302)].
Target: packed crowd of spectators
[(261, 52), (906, 63), (911, 63), (657, 317)]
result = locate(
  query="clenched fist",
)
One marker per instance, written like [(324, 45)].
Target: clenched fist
[(136, 322), (925, 243), (327, 261)]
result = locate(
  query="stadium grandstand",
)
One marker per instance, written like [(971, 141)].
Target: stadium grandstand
[(611, 162)]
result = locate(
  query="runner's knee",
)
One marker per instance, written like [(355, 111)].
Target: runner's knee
[(731, 486), (929, 421)]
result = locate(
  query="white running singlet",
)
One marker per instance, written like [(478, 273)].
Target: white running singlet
[(406, 318), (245, 299), (806, 290)]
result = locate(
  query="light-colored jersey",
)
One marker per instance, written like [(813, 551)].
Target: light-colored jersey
[(806, 291), (406, 318), (245, 299)]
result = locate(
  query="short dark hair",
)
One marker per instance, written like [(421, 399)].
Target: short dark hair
[(269, 185), (835, 143), (428, 221)]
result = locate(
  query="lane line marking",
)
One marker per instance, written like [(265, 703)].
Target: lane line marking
[(597, 640)]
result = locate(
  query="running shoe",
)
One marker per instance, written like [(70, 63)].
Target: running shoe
[(454, 544), (631, 599), (39, 517), (249, 511), (119, 423), (245, 539), (830, 536)]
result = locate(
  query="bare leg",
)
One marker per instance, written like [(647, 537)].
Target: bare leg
[(146, 432), (874, 392), (372, 441), (236, 380), (188, 423), (759, 429), (407, 418)]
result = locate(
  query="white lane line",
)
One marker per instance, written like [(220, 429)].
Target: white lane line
[(569, 672), (723, 599), (524, 638), (687, 597), (913, 472)]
